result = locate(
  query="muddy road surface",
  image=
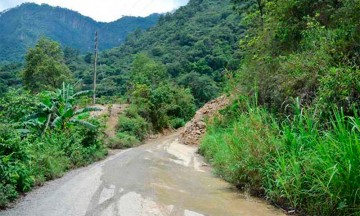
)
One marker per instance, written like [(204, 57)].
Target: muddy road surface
[(159, 178)]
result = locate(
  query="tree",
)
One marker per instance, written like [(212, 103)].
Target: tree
[(59, 110), (164, 105), (147, 71), (45, 67), (71, 54), (202, 87), (260, 6)]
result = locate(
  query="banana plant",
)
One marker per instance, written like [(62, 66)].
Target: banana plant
[(58, 109)]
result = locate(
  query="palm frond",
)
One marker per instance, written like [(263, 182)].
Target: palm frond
[(87, 109), (84, 123), (81, 93), (57, 122), (82, 116), (69, 112)]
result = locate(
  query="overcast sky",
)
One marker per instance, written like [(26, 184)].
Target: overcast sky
[(106, 10)]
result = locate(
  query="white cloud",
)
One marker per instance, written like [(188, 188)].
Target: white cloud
[(106, 10)]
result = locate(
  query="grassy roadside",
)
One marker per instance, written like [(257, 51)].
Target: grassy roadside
[(300, 162)]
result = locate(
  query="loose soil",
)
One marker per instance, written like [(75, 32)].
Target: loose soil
[(196, 128)]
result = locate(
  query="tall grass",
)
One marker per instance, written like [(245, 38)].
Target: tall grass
[(300, 162)]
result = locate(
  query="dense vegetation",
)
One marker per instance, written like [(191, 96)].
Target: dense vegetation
[(45, 134), (169, 70), (22, 26), (292, 133), (292, 68), (156, 103), (195, 44), (9, 76)]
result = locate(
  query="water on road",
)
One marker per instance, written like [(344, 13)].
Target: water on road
[(160, 178)]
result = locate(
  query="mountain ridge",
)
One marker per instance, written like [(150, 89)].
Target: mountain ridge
[(23, 25)]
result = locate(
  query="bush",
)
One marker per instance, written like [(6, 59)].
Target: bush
[(134, 125), (32, 160), (162, 104), (48, 161), (177, 123), (8, 193), (15, 175), (16, 105), (123, 140), (340, 88)]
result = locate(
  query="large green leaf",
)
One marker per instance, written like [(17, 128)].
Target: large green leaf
[(81, 93), (68, 113), (87, 109), (57, 122), (84, 123), (42, 119)]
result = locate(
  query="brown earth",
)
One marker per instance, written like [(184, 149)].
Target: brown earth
[(196, 128), (112, 122), (112, 111)]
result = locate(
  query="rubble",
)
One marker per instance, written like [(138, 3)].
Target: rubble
[(196, 128)]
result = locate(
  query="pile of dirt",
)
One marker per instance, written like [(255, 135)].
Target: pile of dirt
[(196, 128)]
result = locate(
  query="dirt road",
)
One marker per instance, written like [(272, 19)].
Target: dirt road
[(162, 177)]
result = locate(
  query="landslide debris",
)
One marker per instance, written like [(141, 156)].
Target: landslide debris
[(196, 128)]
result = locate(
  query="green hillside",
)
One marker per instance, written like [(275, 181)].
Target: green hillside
[(22, 26), (196, 44)]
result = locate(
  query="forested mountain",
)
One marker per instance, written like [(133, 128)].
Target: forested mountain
[(290, 68), (22, 26), (196, 44)]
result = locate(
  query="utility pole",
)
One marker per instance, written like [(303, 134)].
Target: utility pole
[(95, 64)]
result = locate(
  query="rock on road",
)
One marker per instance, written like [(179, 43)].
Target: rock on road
[(162, 177)]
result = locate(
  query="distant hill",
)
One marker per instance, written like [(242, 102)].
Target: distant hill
[(202, 36), (22, 26), (196, 43)]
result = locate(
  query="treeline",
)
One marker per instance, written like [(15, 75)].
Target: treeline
[(292, 134)]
